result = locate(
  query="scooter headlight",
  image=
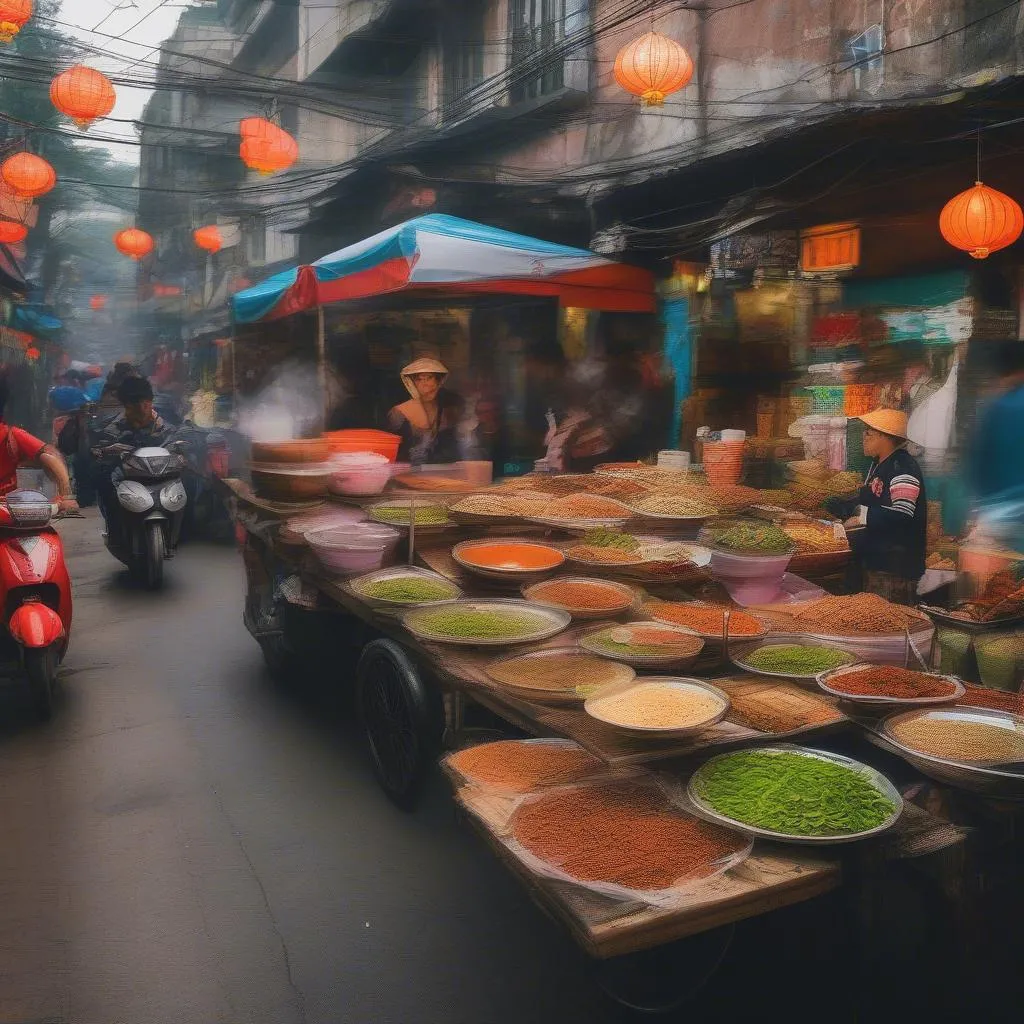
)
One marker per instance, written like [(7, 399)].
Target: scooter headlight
[(133, 496), (173, 496)]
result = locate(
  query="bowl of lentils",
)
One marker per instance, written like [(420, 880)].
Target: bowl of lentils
[(490, 623), (405, 587), (797, 658), (424, 513)]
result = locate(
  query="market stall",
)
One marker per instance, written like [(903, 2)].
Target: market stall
[(573, 616)]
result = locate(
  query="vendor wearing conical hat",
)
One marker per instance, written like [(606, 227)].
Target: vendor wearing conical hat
[(427, 422), (888, 525)]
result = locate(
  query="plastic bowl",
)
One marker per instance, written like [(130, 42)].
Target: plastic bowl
[(378, 441), (360, 482), (307, 450), (750, 579), (289, 483)]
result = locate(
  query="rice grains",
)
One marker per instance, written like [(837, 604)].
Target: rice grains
[(658, 706), (622, 833), (959, 740)]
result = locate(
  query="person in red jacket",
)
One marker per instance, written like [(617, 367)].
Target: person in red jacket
[(19, 448)]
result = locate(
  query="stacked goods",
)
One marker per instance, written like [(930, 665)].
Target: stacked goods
[(586, 506), (707, 621), (624, 834), (520, 766), (795, 659), (658, 706), (723, 461), (779, 711), (792, 793), (955, 739), (567, 673), (891, 682)]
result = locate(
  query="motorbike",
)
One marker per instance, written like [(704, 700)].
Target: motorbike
[(35, 595), (145, 526)]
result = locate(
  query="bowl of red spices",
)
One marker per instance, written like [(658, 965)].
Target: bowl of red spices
[(583, 598), (888, 685)]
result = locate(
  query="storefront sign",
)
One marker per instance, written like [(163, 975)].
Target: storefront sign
[(830, 248)]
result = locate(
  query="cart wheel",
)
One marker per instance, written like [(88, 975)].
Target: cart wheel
[(661, 980), (399, 719), (265, 619)]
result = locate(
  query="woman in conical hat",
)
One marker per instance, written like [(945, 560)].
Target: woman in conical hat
[(427, 422)]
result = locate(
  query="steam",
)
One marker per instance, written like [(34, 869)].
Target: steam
[(289, 407)]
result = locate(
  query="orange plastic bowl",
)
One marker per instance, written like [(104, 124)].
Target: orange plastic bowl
[(507, 559), (378, 441)]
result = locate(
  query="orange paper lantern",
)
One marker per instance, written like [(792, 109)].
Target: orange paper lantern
[(134, 242), (28, 176), (11, 232), (208, 238), (13, 16), (265, 147), (98, 302), (981, 221), (31, 353), (83, 94), (652, 67)]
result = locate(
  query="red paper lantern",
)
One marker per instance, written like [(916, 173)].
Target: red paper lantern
[(652, 67), (208, 238), (265, 147), (28, 176), (133, 242), (14, 14), (981, 221), (11, 232), (83, 94), (31, 353), (98, 302)]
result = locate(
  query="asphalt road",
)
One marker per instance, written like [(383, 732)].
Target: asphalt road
[(186, 843)]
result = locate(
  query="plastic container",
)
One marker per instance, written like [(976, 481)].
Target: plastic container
[(378, 441), (361, 548), (670, 459), (723, 462), (359, 474), (734, 435), (750, 579)]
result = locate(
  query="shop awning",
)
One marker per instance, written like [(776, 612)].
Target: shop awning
[(450, 256)]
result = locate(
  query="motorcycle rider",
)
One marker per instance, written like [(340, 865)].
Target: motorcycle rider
[(138, 426), (20, 448)]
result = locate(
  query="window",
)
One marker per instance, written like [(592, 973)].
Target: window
[(463, 60), (537, 28)]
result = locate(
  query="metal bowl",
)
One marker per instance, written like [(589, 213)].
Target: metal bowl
[(998, 783), (686, 685), (944, 617), (534, 592), (550, 622), (618, 673), (670, 659), (824, 678), (740, 651), (402, 572), (877, 779), (409, 504)]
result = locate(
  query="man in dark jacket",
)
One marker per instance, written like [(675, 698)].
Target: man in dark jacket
[(888, 524)]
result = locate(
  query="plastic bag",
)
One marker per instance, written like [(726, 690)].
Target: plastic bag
[(931, 424)]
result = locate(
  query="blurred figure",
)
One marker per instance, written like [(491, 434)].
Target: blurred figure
[(427, 423), (489, 437)]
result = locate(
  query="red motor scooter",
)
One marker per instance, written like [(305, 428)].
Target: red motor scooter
[(35, 596)]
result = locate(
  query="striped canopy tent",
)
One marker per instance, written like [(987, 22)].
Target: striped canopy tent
[(450, 256)]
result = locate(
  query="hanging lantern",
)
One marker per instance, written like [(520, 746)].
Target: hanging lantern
[(981, 220), (14, 14), (265, 147), (28, 176), (83, 94), (208, 238), (11, 232), (98, 302), (31, 353), (134, 242), (652, 67)]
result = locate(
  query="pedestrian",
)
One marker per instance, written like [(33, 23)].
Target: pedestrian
[(888, 523)]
